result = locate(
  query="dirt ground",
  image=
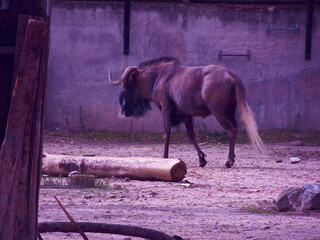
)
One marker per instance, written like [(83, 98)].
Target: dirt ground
[(210, 203)]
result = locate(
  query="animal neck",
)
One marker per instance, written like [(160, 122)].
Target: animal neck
[(145, 85), (150, 71)]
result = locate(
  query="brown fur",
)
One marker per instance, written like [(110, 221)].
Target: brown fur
[(181, 92)]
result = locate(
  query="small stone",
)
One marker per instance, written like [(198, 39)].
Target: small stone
[(88, 196), (127, 179), (295, 160), (186, 184), (297, 143)]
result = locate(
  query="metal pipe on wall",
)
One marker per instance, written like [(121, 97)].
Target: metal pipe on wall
[(126, 26), (309, 29)]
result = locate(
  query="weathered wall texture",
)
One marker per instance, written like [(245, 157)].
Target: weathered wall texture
[(86, 37)]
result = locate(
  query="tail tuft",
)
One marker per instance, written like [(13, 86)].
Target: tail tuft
[(247, 117)]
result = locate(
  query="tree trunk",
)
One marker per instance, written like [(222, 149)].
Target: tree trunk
[(103, 166)]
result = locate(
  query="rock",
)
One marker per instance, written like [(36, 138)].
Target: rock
[(297, 143), (299, 199), (88, 196), (127, 179), (284, 200)]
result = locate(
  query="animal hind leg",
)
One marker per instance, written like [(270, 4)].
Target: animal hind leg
[(229, 123), (167, 127), (191, 136)]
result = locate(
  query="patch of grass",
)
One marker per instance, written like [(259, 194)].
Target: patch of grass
[(204, 135), (257, 210), (141, 146), (119, 136), (309, 137), (202, 131), (268, 136), (102, 183), (117, 187), (219, 136), (287, 135)]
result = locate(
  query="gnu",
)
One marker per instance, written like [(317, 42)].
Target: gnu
[(181, 92)]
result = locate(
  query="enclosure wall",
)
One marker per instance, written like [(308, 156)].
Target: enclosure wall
[(86, 37)]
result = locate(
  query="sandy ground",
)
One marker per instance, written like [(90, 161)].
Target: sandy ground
[(220, 203)]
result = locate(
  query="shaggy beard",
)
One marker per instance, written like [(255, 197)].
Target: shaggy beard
[(138, 110), (141, 108)]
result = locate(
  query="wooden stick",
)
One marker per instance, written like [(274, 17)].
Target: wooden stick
[(73, 222), (39, 236)]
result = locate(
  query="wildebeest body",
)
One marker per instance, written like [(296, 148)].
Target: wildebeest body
[(181, 92)]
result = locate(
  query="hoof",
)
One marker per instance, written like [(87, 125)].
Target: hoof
[(175, 237), (228, 165), (202, 160), (202, 163)]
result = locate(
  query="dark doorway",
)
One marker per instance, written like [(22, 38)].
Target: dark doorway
[(6, 76)]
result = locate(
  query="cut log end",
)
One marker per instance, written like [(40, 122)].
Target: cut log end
[(178, 171)]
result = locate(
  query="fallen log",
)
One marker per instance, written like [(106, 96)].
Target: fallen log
[(103, 166), (126, 230)]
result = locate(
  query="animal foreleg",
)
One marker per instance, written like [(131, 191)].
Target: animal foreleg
[(191, 136)]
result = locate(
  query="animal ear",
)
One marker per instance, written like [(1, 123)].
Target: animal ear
[(134, 75)]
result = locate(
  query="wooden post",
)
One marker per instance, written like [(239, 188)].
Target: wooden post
[(21, 32), (20, 155)]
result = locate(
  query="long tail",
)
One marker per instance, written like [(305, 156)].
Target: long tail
[(247, 117)]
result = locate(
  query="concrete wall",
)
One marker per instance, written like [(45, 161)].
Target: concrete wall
[(86, 37)]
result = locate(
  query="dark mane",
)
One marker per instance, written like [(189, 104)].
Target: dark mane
[(154, 62)]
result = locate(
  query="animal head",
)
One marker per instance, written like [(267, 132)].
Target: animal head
[(131, 100)]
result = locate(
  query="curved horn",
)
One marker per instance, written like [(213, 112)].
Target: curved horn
[(123, 77)]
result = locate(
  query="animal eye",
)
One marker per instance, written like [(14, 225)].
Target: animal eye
[(133, 76)]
